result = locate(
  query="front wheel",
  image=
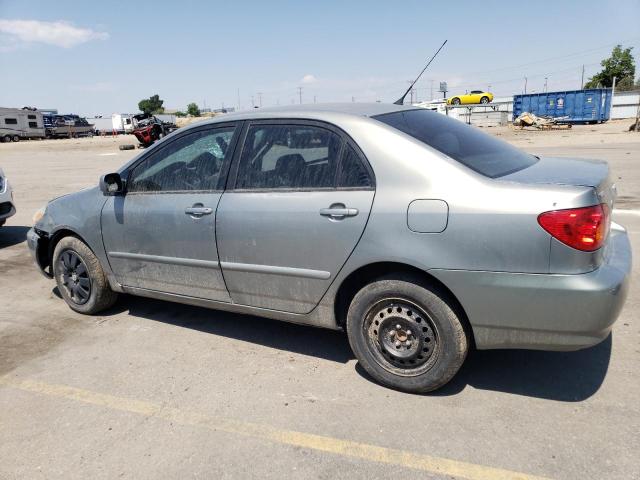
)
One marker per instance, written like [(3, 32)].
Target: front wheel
[(484, 100), (80, 277), (406, 335), (455, 101)]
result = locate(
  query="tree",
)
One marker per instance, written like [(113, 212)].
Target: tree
[(193, 110), (179, 113), (620, 65), (151, 105)]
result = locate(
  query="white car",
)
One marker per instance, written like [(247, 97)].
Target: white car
[(7, 208)]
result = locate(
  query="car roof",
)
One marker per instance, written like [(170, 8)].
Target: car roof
[(320, 111)]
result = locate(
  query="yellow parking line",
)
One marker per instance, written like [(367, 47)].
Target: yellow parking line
[(347, 448)]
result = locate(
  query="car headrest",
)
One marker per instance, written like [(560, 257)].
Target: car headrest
[(294, 162)]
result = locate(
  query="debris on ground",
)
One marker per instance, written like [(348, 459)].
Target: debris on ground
[(127, 147), (528, 119)]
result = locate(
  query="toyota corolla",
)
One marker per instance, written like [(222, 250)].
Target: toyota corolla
[(418, 235)]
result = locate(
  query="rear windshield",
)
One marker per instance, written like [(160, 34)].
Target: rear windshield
[(468, 145)]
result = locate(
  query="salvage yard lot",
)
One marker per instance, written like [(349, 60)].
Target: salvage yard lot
[(157, 390)]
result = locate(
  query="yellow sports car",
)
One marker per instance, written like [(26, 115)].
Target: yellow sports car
[(476, 96)]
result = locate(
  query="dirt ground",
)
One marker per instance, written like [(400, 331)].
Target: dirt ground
[(156, 390)]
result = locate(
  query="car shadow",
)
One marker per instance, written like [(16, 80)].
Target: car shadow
[(12, 235), (316, 342), (561, 376)]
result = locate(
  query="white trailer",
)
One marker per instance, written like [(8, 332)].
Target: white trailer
[(122, 122), (20, 123)]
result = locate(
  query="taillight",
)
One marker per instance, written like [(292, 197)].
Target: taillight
[(584, 228)]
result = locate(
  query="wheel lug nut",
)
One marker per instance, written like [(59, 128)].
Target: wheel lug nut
[(392, 333), (408, 332), (398, 326), (407, 343), (397, 344)]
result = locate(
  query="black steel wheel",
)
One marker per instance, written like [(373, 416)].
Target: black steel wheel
[(406, 333), (80, 278), (401, 336), (75, 277)]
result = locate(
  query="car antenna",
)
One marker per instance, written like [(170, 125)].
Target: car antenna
[(400, 101)]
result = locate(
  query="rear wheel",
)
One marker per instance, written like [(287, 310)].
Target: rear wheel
[(80, 277), (15, 138), (406, 335), (484, 100)]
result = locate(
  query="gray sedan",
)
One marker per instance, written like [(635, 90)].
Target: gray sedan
[(418, 235)]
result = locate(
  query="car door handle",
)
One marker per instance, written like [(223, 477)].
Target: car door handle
[(198, 211), (338, 212)]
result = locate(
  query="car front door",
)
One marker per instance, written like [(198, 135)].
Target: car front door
[(294, 213), (161, 234)]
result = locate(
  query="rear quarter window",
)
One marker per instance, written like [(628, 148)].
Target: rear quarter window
[(468, 145)]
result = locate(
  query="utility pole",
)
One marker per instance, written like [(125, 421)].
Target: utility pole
[(300, 94), (314, 99), (545, 84), (353, 99), (431, 89), (582, 79), (613, 92), (253, 104), (525, 85), (489, 88), (260, 99), (239, 106)]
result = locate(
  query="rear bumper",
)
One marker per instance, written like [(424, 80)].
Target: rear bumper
[(545, 312)]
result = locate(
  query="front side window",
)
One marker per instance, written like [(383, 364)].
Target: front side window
[(190, 163), (31, 117), (288, 157), (468, 145), (33, 124)]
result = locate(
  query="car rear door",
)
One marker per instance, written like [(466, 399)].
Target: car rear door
[(295, 207), (161, 234)]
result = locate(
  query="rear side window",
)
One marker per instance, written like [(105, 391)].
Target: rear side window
[(353, 173), (468, 145), (11, 121), (288, 157), (33, 124)]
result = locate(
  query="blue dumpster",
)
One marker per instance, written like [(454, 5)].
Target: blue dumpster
[(592, 105)]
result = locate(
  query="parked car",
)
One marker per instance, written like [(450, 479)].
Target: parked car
[(417, 234), (7, 207), (67, 126), (476, 96)]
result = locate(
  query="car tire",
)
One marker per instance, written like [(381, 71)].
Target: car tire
[(80, 277), (455, 101), (425, 352), (484, 100)]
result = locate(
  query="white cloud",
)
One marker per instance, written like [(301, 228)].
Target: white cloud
[(308, 78), (60, 33)]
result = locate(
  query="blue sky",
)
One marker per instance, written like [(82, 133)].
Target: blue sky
[(103, 57)]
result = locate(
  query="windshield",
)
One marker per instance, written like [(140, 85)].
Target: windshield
[(468, 145)]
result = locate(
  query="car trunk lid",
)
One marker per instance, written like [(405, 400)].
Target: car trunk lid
[(569, 171)]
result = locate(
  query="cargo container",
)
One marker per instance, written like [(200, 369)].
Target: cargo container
[(591, 105)]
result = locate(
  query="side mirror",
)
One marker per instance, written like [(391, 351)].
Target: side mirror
[(111, 184)]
